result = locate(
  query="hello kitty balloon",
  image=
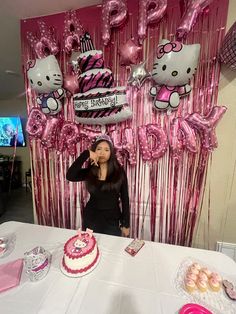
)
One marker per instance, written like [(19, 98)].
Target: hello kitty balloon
[(46, 79), (173, 68)]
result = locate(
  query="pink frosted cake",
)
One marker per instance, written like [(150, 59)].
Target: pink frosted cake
[(81, 254), (98, 101)]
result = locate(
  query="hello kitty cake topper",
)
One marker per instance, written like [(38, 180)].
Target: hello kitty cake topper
[(173, 68)]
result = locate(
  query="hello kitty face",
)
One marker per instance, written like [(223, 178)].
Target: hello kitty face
[(80, 244), (45, 74), (175, 63)]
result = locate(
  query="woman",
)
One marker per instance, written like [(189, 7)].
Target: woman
[(107, 184)]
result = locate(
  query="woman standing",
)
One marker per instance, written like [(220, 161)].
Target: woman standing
[(106, 182)]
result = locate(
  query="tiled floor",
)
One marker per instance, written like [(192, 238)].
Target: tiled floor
[(18, 206)]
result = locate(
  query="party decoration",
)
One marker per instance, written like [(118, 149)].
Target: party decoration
[(71, 83), (206, 126), (126, 144), (138, 75), (73, 31), (228, 48), (45, 44), (173, 67), (165, 195), (35, 123), (150, 11), (74, 66), (68, 138), (114, 13), (46, 79), (50, 132), (97, 101), (160, 142), (129, 52), (181, 136), (193, 10)]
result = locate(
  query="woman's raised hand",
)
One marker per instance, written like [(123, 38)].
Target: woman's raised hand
[(94, 158)]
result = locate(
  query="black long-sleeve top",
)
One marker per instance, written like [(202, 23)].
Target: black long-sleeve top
[(102, 200)]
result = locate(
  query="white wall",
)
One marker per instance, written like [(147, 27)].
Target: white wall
[(221, 183), (14, 107)]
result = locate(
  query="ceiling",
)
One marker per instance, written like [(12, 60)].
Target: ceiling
[(11, 12)]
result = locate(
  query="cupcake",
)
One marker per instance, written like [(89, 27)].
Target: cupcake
[(190, 285), (202, 276), (214, 284), (206, 271), (196, 265), (202, 285), (193, 269), (191, 276)]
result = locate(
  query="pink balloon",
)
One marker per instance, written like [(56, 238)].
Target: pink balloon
[(45, 44), (49, 137), (72, 32), (182, 136), (36, 122), (193, 10), (126, 145), (228, 51), (89, 133), (175, 139), (129, 53), (70, 83), (206, 126), (160, 145), (189, 136), (68, 138), (116, 137), (109, 20), (150, 11)]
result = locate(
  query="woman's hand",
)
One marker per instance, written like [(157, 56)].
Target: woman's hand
[(94, 158), (124, 232)]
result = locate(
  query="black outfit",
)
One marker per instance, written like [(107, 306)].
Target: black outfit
[(102, 213)]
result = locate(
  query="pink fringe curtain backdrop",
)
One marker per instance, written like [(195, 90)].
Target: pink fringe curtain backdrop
[(165, 195)]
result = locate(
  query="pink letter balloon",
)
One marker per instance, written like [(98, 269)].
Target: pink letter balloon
[(49, 136), (68, 138), (72, 32), (109, 20), (150, 11), (193, 9), (46, 43), (206, 126), (160, 141), (36, 123)]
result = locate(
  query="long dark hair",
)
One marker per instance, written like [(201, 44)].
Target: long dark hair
[(115, 173)]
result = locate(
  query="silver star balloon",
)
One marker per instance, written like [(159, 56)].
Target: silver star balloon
[(138, 75), (74, 61)]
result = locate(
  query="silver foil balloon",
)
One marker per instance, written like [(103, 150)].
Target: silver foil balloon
[(138, 75)]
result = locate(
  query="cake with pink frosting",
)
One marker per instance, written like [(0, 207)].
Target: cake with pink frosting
[(81, 254), (98, 101)]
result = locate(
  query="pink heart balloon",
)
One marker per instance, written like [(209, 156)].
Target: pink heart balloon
[(71, 83)]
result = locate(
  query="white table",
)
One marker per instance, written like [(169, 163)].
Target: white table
[(143, 284)]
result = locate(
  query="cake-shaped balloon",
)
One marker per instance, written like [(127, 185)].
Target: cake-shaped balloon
[(81, 254), (98, 102)]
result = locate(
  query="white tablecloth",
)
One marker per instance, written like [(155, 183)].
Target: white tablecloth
[(144, 284)]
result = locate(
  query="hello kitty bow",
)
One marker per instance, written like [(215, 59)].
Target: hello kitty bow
[(166, 48)]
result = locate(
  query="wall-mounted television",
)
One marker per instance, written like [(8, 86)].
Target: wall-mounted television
[(11, 132)]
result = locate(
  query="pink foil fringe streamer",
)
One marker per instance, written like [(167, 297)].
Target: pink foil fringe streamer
[(165, 195)]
